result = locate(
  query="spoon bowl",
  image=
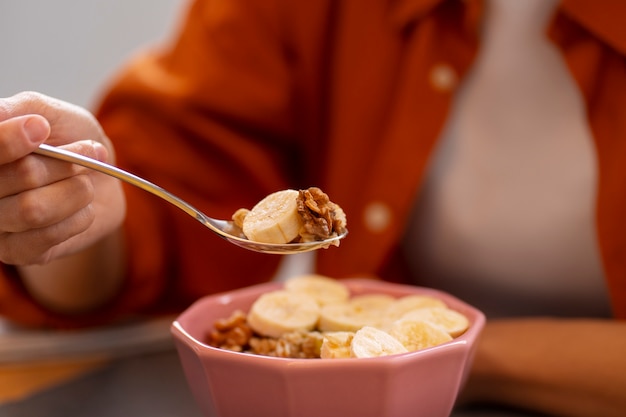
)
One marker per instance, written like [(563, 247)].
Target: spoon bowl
[(224, 228)]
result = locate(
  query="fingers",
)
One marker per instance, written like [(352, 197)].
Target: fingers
[(37, 246), (44, 206), (35, 221), (34, 171), (44, 202), (19, 136)]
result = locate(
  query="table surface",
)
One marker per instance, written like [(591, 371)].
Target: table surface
[(142, 385), (151, 384), (130, 370)]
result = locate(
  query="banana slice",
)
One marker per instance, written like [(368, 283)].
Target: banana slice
[(323, 289), (336, 345), (360, 310), (376, 303), (278, 312), (416, 335), (344, 317), (370, 342), (403, 305), (275, 219), (450, 320)]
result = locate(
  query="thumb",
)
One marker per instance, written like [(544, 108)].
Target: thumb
[(20, 135), (35, 128)]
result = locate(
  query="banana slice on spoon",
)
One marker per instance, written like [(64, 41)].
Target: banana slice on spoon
[(274, 219)]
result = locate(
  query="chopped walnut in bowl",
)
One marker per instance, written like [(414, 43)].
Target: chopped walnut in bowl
[(234, 334)]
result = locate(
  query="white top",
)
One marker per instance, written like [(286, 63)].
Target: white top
[(506, 218)]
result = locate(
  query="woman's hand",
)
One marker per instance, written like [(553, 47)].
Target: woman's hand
[(51, 209)]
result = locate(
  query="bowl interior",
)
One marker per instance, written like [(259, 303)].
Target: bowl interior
[(198, 319)]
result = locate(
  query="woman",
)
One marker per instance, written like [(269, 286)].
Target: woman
[(474, 146)]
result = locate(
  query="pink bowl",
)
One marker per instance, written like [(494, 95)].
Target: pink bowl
[(231, 384)]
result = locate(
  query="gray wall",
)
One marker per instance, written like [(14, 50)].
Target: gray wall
[(69, 48)]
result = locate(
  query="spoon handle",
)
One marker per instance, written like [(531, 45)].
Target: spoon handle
[(223, 228), (67, 156)]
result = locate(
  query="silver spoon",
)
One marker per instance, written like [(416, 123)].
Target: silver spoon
[(224, 228)]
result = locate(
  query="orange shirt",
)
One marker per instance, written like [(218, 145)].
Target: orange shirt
[(254, 96)]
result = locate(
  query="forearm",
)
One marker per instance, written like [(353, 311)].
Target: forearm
[(558, 367), (80, 282)]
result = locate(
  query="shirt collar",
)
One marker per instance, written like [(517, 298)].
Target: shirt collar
[(604, 19), (406, 12)]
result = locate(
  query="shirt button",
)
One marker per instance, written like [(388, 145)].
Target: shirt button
[(443, 77), (377, 216)]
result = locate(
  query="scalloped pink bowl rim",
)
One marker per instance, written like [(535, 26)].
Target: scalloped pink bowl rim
[(230, 384)]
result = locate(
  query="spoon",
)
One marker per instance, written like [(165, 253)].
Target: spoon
[(224, 228)]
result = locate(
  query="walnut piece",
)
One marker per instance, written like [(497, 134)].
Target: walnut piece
[(322, 219), (303, 345), (232, 333), (239, 216)]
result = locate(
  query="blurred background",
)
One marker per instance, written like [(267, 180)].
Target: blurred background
[(69, 48)]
